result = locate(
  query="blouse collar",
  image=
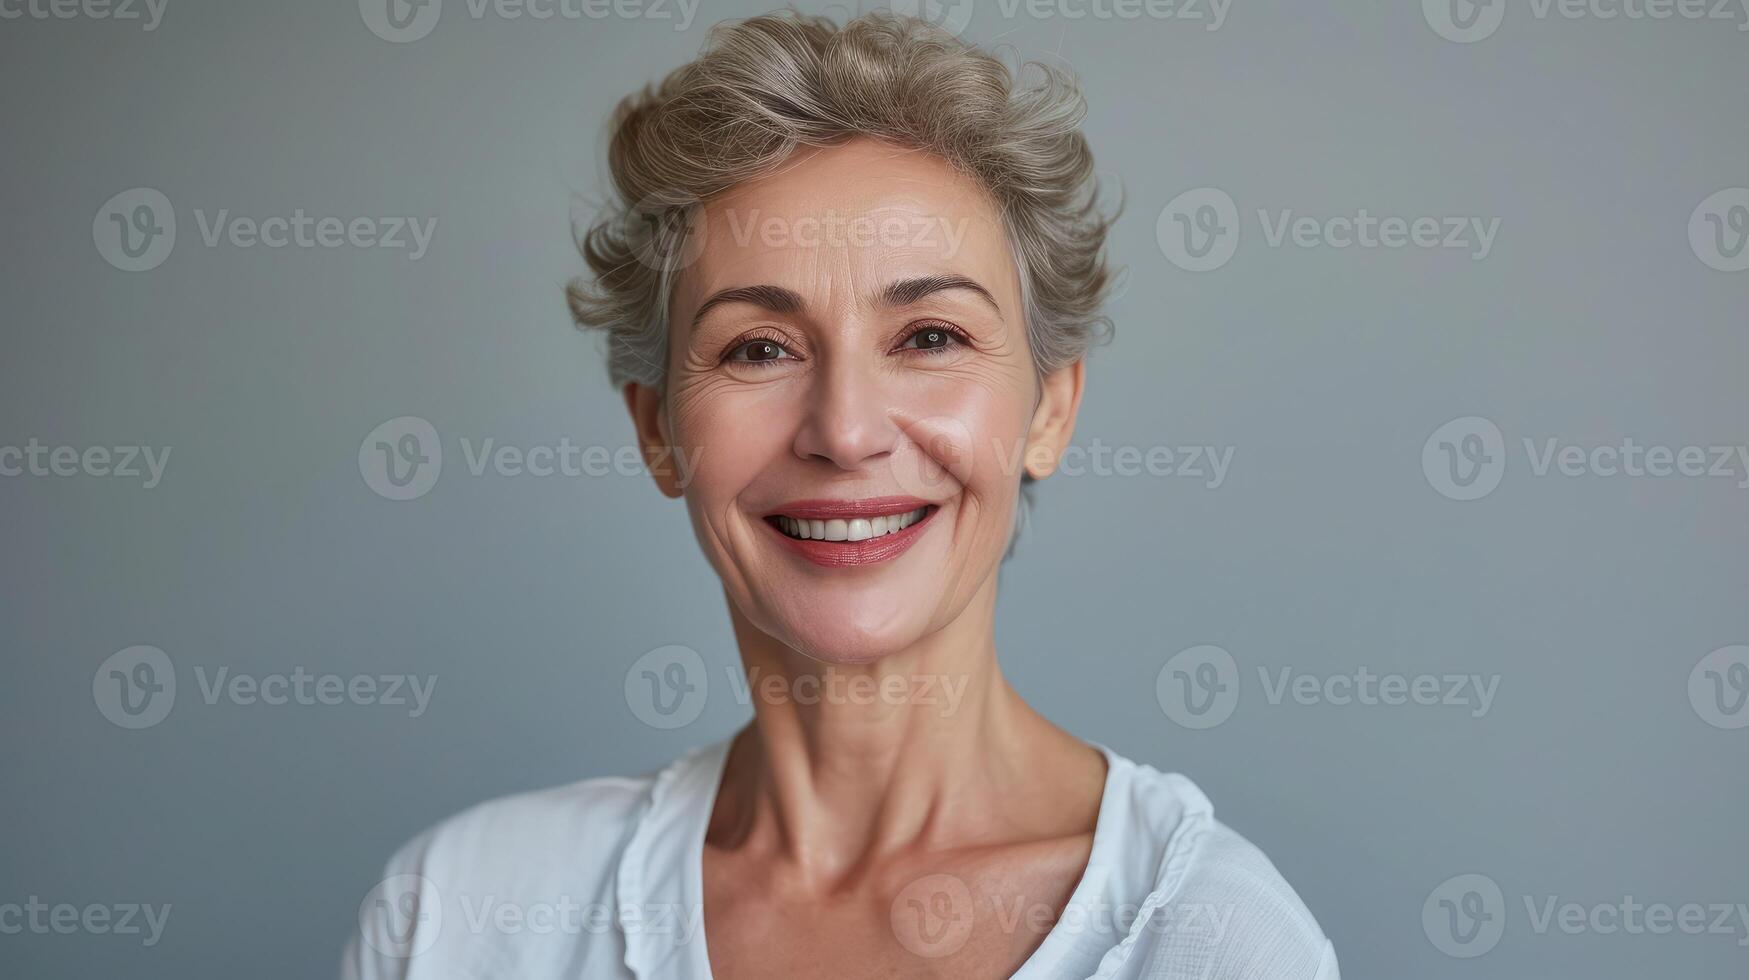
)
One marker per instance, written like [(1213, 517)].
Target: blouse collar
[(660, 880)]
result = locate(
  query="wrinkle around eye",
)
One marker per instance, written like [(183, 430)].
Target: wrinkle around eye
[(983, 331), (694, 386), (695, 391), (991, 377)]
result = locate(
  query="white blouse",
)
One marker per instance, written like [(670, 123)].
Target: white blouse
[(603, 879)]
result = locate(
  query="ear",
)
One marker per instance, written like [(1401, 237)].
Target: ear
[(645, 404), (1053, 421)]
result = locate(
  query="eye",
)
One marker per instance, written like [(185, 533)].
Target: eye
[(933, 337), (758, 351)]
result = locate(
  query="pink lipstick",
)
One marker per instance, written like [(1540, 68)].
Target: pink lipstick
[(837, 533)]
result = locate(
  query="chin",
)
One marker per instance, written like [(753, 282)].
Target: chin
[(848, 630)]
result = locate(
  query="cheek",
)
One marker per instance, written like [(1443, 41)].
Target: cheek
[(970, 433), (732, 433)]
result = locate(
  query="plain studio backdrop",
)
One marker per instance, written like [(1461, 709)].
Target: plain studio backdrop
[(1477, 615)]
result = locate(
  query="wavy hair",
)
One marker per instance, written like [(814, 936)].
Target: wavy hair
[(766, 86)]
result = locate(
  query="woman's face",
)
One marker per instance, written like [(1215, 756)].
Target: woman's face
[(850, 381)]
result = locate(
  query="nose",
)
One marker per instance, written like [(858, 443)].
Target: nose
[(847, 422)]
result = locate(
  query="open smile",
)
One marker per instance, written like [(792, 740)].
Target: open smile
[(835, 533)]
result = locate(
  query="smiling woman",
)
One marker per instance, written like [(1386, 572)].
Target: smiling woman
[(854, 276)]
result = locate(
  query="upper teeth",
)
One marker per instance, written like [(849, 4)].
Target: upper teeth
[(854, 529)]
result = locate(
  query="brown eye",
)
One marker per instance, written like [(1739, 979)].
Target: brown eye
[(931, 339), (759, 352)]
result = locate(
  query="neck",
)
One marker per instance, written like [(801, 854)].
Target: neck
[(927, 748)]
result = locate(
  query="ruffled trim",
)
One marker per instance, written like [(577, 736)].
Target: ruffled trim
[(1181, 846), (631, 883)]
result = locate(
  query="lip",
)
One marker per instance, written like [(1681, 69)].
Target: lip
[(840, 554)]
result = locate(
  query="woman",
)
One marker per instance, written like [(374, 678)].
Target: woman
[(853, 280)]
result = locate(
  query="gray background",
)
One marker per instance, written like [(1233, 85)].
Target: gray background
[(1593, 776)]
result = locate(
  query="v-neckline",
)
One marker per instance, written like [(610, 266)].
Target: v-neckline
[(689, 788)]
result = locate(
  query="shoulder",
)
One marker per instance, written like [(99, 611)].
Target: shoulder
[(494, 886), (576, 825), (1218, 907)]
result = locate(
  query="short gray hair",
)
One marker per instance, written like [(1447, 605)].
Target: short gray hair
[(765, 86)]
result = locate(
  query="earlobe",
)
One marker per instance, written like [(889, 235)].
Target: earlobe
[(1053, 422), (645, 404)]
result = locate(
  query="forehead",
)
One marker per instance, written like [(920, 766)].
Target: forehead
[(851, 216)]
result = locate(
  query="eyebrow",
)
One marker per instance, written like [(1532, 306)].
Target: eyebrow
[(774, 298), (904, 292), (908, 291)]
